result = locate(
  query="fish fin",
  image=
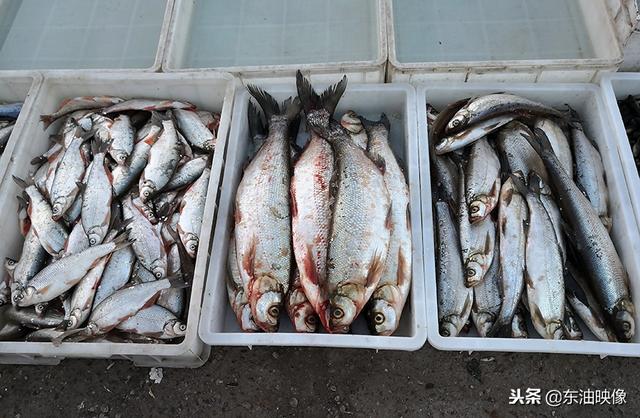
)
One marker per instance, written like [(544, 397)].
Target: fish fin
[(487, 244), (81, 187), (500, 330), (22, 203), (121, 241), (177, 282), (369, 124), (331, 96), (249, 257), (60, 338), (20, 182), (401, 278), (376, 268), (257, 126), (536, 184), (308, 96), (388, 222), (47, 120), (379, 162), (294, 202), (519, 183), (39, 160), (310, 267), (268, 104), (57, 138), (291, 109)]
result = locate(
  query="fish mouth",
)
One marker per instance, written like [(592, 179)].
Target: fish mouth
[(341, 314), (444, 146), (473, 273), (555, 331), (448, 329), (477, 211), (484, 323), (624, 325), (266, 303), (305, 319)]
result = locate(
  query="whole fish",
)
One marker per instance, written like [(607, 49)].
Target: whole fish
[(238, 297), (455, 299), (486, 298), (192, 211), (69, 173), (10, 110), (163, 160), (32, 259), (194, 130), (122, 136), (585, 304), (83, 295), (97, 193), (186, 174), (570, 324), (482, 180), (352, 123), (148, 105), (388, 300), (559, 142), (512, 216), (311, 211), (516, 151), (263, 216), (119, 307), (592, 243), (57, 278), (154, 321), (52, 234), (590, 176), (361, 221), (544, 271), (126, 175), (147, 243), (78, 103), (477, 240), (469, 136), (497, 104), (519, 324), (302, 314)]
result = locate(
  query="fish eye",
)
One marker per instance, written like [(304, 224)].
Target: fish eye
[(193, 247), (445, 332), (626, 326), (470, 272), (475, 209), (274, 311), (145, 193), (378, 319), (455, 122), (92, 241), (182, 327), (311, 320), (157, 274), (337, 313)]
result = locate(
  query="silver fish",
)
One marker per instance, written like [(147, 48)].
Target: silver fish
[(590, 176), (77, 241), (388, 300), (551, 206), (69, 173), (83, 295), (173, 299), (455, 299), (57, 278), (101, 127), (78, 103), (593, 244), (97, 194), (52, 234), (154, 321), (486, 298), (122, 136), (30, 319), (497, 104), (352, 123), (559, 143), (146, 240), (116, 273), (33, 257), (163, 160), (194, 130), (192, 211), (482, 180), (147, 104), (126, 175), (238, 297), (186, 173), (469, 136), (517, 152), (444, 177), (303, 315), (263, 216)]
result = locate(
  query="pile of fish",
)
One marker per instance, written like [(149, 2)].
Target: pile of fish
[(111, 216), (9, 112), (630, 111), (322, 233), (521, 206)]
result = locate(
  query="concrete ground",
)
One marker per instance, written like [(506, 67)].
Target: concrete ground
[(318, 382)]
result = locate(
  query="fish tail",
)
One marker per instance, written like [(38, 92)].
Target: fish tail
[(268, 104), (177, 282), (84, 334), (121, 241), (256, 123), (331, 96), (308, 96), (500, 330), (20, 182)]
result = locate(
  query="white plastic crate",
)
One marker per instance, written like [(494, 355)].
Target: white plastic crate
[(618, 86), (587, 100), (212, 92), (83, 34), (500, 40), (218, 325), (17, 87), (258, 39)]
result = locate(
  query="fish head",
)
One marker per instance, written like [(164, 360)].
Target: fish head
[(246, 319), (351, 122), (58, 208), (342, 312), (10, 265), (95, 235), (623, 323), (5, 296), (147, 190), (91, 329), (450, 326), (555, 331), (191, 244), (478, 210), (484, 322), (120, 156), (304, 318), (459, 120), (266, 297), (175, 328), (159, 269), (22, 296), (73, 321), (473, 271), (41, 307), (383, 319)]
